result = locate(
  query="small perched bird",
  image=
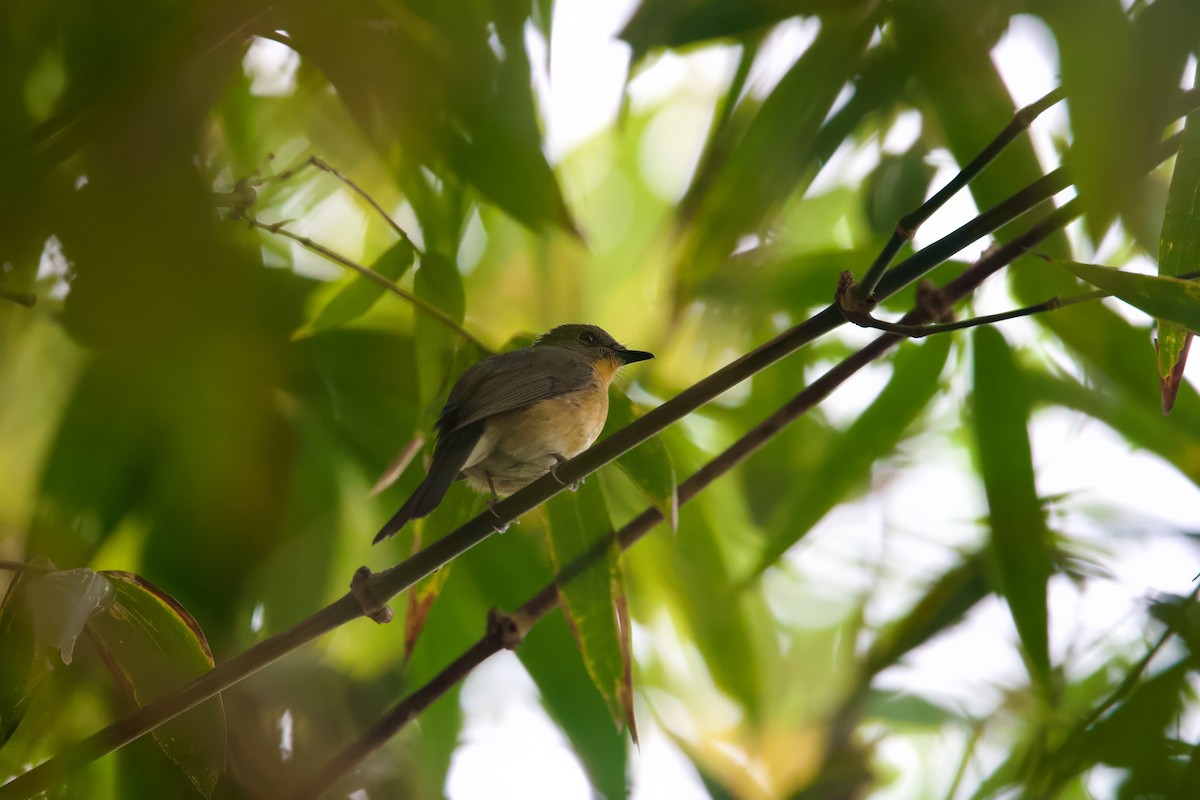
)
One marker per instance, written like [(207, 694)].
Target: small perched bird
[(513, 417)]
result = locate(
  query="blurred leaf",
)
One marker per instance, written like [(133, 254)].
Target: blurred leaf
[(551, 655), (776, 152), (62, 602), (1158, 295), (439, 282), (872, 436), (1179, 252), (1019, 541), (678, 23), (897, 187), (95, 466), (955, 592), (359, 294), (580, 525), (1149, 710), (19, 670), (425, 84), (948, 46), (153, 646), (459, 505), (906, 709), (1120, 77), (649, 465), (1181, 615)]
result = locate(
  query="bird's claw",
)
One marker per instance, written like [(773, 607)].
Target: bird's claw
[(558, 462), (501, 526)]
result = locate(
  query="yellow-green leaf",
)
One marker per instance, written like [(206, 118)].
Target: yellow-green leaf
[(1172, 299), (1179, 252), (580, 530), (360, 293), (153, 646), (1019, 541)]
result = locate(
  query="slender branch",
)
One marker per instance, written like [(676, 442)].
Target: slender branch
[(907, 227), (865, 320), (20, 298), (545, 600), (323, 165), (337, 258)]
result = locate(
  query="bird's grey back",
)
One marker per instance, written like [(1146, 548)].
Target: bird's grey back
[(512, 380)]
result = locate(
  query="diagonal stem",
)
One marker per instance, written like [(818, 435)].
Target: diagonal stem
[(907, 227), (371, 275)]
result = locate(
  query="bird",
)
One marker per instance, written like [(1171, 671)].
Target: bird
[(513, 417)]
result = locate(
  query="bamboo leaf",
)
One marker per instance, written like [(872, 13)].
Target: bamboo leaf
[(19, 671), (439, 282), (1172, 299), (1019, 541), (872, 436), (579, 526), (774, 155), (650, 465), (1179, 253), (153, 646), (360, 294)]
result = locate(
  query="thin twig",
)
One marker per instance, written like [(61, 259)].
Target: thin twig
[(20, 298), (323, 165), (907, 227), (337, 258)]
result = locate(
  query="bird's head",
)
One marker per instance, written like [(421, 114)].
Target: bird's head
[(594, 343)]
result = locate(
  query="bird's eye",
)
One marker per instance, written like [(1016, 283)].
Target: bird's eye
[(588, 338)]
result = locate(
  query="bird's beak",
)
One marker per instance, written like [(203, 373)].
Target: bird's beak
[(630, 356)]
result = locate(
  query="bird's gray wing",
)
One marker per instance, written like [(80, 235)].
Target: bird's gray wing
[(512, 380)]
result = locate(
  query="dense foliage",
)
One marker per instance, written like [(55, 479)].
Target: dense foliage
[(195, 409)]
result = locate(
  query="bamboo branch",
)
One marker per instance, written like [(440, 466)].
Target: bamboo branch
[(907, 227), (547, 599), (371, 275)]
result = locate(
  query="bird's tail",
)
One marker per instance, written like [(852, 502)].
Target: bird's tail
[(448, 460)]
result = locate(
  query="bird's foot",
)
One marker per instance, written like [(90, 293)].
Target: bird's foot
[(500, 526), (558, 462)]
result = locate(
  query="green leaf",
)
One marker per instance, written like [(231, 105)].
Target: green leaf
[(439, 282), (1019, 542), (360, 293), (942, 606), (1158, 295), (678, 23), (1179, 250), (649, 465), (873, 435), (580, 527), (62, 602), (1121, 76), (1152, 707), (153, 646), (775, 155), (897, 187), (906, 709), (19, 671)]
